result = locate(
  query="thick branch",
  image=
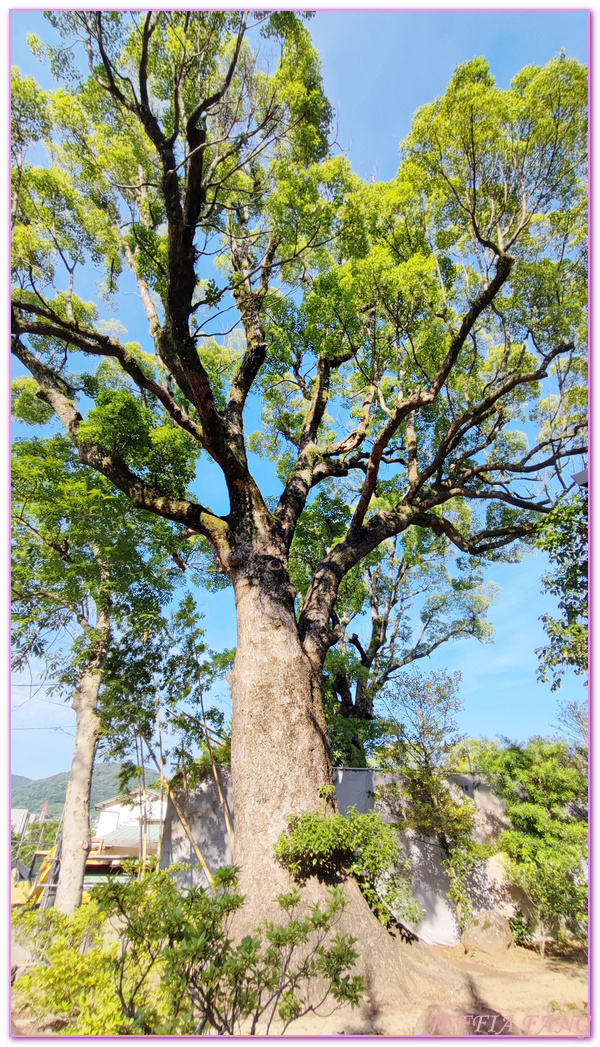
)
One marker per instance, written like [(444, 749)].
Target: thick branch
[(142, 495), (490, 494), (249, 304), (315, 464), (195, 192), (478, 412), (37, 595), (103, 345), (485, 541)]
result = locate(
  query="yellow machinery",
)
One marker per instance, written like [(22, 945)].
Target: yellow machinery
[(39, 886), (32, 890)]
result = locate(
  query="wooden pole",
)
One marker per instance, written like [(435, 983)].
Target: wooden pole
[(182, 819)]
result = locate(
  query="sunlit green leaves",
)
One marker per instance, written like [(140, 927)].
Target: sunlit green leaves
[(122, 425), (79, 549), (26, 405), (299, 88), (30, 120), (492, 156), (444, 310)]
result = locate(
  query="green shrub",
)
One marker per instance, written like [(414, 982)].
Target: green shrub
[(556, 889), (543, 783), (71, 983), (358, 845), (520, 927), (175, 969)]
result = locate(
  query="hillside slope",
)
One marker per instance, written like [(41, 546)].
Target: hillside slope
[(33, 793)]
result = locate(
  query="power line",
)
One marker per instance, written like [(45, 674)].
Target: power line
[(46, 701), (43, 729), (36, 683)]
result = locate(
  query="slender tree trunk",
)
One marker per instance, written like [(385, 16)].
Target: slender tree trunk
[(280, 758), (76, 840), (543, 939)]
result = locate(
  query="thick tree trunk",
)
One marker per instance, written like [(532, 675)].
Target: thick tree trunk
[(280, 752), (280, 758), (76, 821)]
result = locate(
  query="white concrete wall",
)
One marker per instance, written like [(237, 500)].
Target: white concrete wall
[(202, 809)]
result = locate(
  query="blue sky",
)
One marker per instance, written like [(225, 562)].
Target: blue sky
[(378, 68)]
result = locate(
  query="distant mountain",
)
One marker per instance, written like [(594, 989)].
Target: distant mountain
[(33, 793)]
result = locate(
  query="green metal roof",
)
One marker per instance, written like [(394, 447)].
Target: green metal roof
[(130, 834)]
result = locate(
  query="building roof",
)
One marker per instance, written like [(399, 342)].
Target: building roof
[(127, 834), (127, 800)]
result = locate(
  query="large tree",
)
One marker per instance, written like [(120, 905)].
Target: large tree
[(86, 566), (420, 343)]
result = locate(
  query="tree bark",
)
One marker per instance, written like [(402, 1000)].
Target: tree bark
[(280, 751), (76, 839), (280, 758)]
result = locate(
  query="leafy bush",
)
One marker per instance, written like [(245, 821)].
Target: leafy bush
[(71, 982), (174, 969), (520, 927), (543, 784), (556, 889), (358, 845)]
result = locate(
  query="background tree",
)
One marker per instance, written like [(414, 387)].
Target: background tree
[(85, 566), (412, 604), (402, 336), (545, 791), (421, 743), (574, 721), (165, 662), (422, 708), (564, 536), (573, 728)]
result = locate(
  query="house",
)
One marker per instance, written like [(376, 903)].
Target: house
[(130, 826)]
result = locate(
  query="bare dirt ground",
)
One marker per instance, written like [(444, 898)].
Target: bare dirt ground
[(468, 995), (455, 994)]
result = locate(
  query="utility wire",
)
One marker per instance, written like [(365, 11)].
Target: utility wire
[(43, 729)]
